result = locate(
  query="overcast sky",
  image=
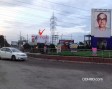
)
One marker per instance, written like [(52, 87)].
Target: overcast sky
[(28, 16)]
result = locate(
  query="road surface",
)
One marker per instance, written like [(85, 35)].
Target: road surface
[(37, 73)]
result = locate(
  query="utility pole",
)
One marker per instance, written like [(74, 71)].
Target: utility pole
[(71, 36), (61, 36), (27, 38), (20, 36)]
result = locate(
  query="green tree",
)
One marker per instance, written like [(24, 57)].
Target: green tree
[(26, 46), (3, 42)]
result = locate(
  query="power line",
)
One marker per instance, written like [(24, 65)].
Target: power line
[(56, 4), (24, 21), (42, 18), (45, 8), (85, 17), (66, 5), (48, 18)]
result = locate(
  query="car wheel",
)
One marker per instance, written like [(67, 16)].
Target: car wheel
[(13, 57)]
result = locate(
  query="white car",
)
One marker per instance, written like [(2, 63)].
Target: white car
[(12, 53)]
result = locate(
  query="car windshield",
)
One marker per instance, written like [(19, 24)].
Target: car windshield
[(15, 50)]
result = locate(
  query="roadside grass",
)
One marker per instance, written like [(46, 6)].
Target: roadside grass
[(104, 54)]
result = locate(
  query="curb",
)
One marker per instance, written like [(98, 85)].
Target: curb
[(73, 58)]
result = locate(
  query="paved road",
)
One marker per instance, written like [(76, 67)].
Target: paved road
[(43, 74)]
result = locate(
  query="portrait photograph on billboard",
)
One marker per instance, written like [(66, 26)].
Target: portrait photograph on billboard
[(101, 23)]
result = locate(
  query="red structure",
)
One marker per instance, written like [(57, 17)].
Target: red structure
[(65, 44), (66, 41)]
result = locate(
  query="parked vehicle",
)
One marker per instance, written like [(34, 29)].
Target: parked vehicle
[(12, 53)]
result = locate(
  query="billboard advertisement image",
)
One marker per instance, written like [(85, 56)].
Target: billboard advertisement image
[(40, 39), (101, 23)]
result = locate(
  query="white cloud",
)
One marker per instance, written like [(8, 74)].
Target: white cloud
[(13, 3), (75, 30)]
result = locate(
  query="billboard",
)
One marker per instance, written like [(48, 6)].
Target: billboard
[(101, 22), (66, 41), (40, 39)]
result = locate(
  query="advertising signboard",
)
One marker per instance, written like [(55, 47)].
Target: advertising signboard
[(101, 23), (40, 39)]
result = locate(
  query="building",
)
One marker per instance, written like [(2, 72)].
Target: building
[(101, 43), (87, 40)]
